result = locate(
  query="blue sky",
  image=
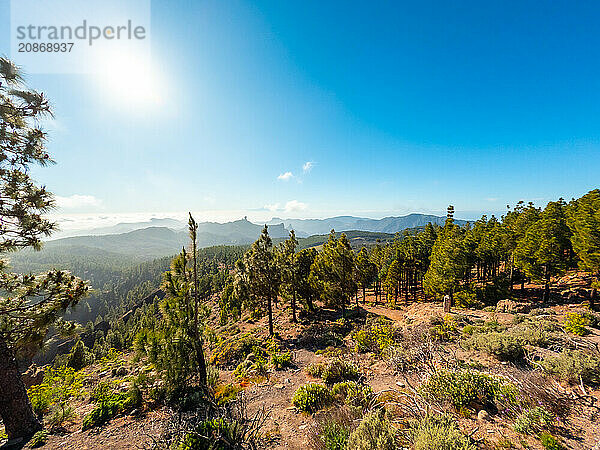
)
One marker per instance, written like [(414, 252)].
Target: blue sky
[(398, 106)]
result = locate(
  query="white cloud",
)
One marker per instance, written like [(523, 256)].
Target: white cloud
[(294, 206), (286, 176), (307, 166), (274, 207), (77, 201)]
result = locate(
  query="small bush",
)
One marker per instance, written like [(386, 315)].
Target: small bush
[(573, 365), (109, 403), (549, 442), (533, 420), (281, 360), (503, 346), (217, 433), (320, 336), (38, 439), (311, 397), (375, 338), (334, 436), (55, 392), (375, 431), (316, 369), (438, 433), (463, 388), (352, 393), (226, 393), (233, 351), (337, 370), (575, 323), (444, 329)]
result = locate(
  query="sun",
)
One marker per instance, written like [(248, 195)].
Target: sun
[(129, 80)]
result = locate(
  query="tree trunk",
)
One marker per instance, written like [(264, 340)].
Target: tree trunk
[(15, 409), (510, 289), (201, 361), (270, 309), (294, 319)]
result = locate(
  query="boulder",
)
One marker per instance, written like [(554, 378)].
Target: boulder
[(33, 375), (510, 306)]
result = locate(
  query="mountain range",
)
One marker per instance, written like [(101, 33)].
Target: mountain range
[(148, 240)]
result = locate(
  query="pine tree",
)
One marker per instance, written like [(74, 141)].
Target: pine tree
[(29, 304), (544, 250), (263, 275), (448, 263), (286, 260), (366, 271), (334, 271), (584, 221)]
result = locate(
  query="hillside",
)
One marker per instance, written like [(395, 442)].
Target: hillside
[(391, 225)]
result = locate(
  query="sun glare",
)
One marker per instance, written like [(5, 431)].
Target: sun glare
[(129, 80)]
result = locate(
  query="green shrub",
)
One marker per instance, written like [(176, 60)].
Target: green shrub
[(375, 338), (214, 434), (352, 393), (533, 420), (311, 397), (503, 346), (549, 442), (444, 329), (573, 365), (575, 323), (375, 432), (462, 388), (316, 369), (38, 439), (438, 433), (110, 402), (333, 435), (232, 351), (338, 370), (225, 393), (281, 360), (55, 392)]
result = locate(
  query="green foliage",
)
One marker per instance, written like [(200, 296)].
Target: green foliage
[(225, 393), (311, 397), (533, 420), (464, 388), (549, 442), (375, 337), (38, 439), (375, 432), (438, 433), (583, 217), (338, 370), (78, 358), (352, 393), (109, 402), (214, 434), (281, 360), (231, 352), (333, 435), (315, 369), (444, 329), (59, 386), (573, 365), (575, 323), (503, 346), (334, 272)]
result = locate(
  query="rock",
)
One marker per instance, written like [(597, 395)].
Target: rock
[(34, 375), (510, 306), (483, 416), (400, 384), (303, 427), (287, 380), (278, 386)]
